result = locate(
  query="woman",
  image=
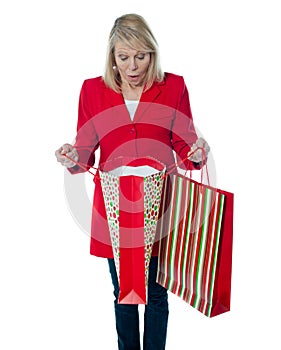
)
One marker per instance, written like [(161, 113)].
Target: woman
[(133, 110)]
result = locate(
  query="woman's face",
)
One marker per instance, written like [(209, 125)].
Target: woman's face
[(132, 64)]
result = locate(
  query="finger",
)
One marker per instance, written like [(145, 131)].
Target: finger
[(59, 157), (67, 148), (70, 153), (61, 160), (69, 164), (206, 146), (198, 156), (58, 151), (200, 142), (66, 161), (71, 161), (69, 157), (73, 154), (62, 150), (203, 142)]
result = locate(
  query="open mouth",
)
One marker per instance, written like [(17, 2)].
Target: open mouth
[(133, 76)]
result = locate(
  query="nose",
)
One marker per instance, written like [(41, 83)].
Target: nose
[(133, 64)]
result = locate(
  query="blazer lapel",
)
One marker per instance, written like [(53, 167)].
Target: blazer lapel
[(114, 98), (147, 98), (151, 94)]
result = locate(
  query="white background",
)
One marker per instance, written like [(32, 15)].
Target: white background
[(53, 294)]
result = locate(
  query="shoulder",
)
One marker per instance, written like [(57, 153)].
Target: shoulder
[(94, 83), (173, 79), (174, 83)]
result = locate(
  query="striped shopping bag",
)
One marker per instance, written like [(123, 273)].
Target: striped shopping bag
[(195, 250)]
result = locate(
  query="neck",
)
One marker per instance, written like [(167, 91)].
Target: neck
[(131, 92)]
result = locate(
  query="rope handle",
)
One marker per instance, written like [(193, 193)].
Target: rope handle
[(87, 168), (177, 164), (84, 166)]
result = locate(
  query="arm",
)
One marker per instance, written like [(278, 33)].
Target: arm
[(86, 139), (183, 133)]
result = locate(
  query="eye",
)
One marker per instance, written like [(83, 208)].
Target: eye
[(141, 57), (123, 58)]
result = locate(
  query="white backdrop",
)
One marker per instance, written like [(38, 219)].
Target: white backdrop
[(53, 294)]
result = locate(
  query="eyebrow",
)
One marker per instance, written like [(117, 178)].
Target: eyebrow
[(121, 52)]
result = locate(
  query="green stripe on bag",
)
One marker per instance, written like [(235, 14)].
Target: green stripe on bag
[(175, 226), (207, 201)]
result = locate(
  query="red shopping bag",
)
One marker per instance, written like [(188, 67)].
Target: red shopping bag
[(132, 193), (195, 251)]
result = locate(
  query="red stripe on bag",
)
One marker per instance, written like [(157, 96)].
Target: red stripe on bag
[(209, 225), (222, 287), (194, 204), (171, 230), (162, 227), (209, 238), (197, 242), (182, 239), (188, 236), (178, 235)]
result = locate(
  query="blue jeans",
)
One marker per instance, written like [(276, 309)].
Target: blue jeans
[(155, 315)]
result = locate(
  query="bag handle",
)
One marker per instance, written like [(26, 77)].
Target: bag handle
[(84, 166), (177, 164), (87, 168)]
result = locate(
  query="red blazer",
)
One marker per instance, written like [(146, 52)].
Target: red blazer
[(162, 124)]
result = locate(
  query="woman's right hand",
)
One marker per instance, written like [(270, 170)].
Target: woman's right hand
[(68, 150)]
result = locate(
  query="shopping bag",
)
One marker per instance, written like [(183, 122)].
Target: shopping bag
[(195, 250), (132, 193)]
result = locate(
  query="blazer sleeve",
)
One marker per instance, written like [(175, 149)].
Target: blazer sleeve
[(183, 133), (86, 141)]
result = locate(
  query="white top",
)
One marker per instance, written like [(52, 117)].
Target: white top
[(132, 107)]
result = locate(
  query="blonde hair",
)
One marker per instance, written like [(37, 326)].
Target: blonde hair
[(132, 30)]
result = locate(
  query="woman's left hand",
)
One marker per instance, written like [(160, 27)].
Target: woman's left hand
[(198, 155)]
